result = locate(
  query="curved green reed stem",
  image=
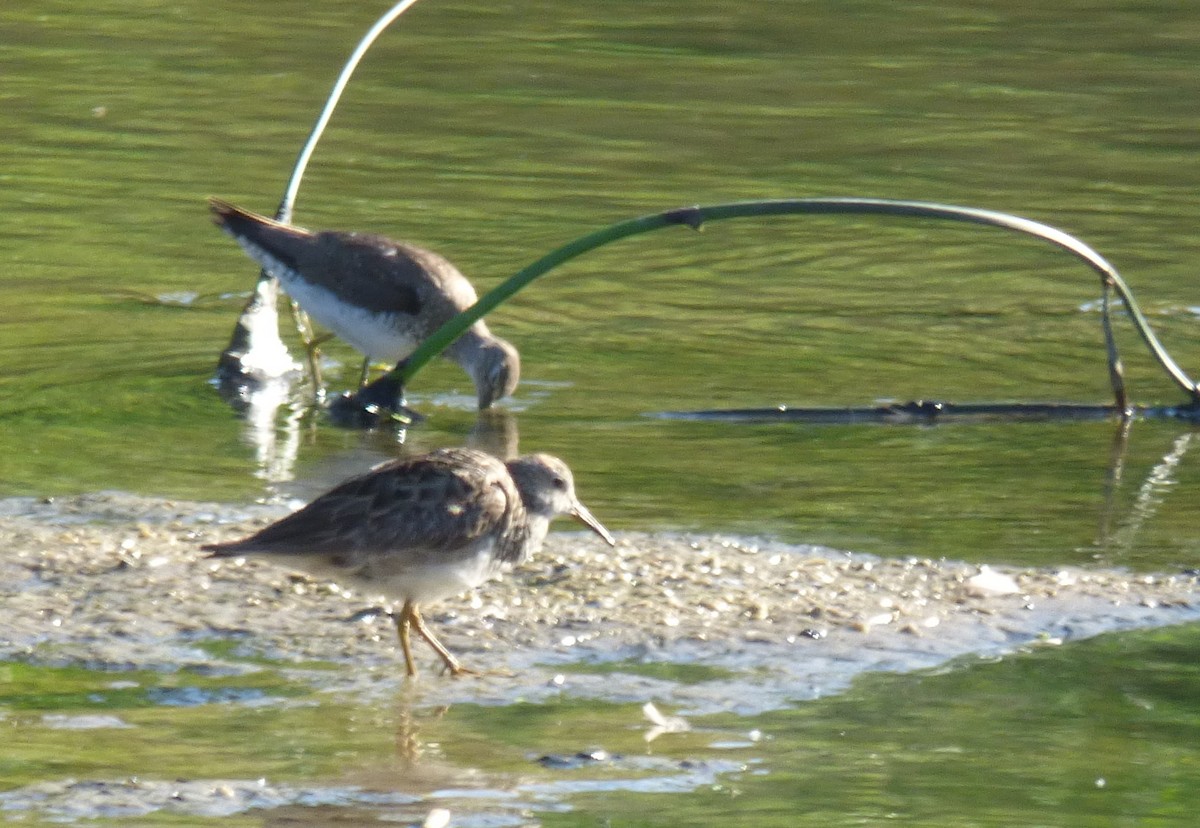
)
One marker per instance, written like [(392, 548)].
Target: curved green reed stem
[(284, 213), (694, 217)]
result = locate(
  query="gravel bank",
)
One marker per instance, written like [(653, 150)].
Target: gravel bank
[(117, 582)]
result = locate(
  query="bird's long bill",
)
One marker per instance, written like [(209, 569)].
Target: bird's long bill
[(581, 514)]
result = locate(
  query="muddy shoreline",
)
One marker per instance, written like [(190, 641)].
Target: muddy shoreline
[(117, 582)]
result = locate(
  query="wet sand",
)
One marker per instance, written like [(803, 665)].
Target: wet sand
[(113, 581)]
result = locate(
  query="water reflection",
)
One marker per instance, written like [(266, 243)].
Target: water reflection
[(276, 440), (1117, 544), (495, 431), (277, 412), (256, 353)]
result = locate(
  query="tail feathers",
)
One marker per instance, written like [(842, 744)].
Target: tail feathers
[(244, 223)]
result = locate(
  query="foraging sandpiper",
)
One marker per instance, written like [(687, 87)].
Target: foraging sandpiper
[(381, 296), (423, 529)]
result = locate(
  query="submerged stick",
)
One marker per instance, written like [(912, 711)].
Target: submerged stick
[(934, 411), (695, 217)]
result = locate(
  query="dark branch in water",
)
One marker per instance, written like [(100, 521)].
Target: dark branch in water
[(928, 411)]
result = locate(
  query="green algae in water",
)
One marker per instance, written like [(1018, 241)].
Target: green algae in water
[(180, 724), (24, 687), (239, 651), (1086, 733)]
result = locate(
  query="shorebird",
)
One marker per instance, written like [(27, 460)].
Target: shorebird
[(383, 297), (422, 529)]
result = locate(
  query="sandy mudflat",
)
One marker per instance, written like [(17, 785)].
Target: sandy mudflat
[(118, 582)]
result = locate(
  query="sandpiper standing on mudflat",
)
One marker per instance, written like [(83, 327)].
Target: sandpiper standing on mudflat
[(383, 297), (423, 529)]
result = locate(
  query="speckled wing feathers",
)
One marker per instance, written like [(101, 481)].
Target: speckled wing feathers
[(442, 506)]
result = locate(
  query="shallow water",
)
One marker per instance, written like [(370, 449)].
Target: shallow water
[(1087, 733), (494, 133)]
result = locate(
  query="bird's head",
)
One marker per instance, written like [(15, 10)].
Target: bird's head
[(497, 370), (548, 489)]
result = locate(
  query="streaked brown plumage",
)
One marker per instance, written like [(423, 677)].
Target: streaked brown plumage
[(423, 529), (383, 297)]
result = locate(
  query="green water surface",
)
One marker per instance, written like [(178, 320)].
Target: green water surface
[(494, 132)]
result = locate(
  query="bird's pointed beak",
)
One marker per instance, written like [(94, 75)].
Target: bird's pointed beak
[(498, 373), (492, 388), (487, 396), (581, 514)]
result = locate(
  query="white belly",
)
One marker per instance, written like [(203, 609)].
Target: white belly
[(431, 581), (375, 335)]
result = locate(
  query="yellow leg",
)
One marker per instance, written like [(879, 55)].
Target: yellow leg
[(453, 666), (403, 620), (312, 345)]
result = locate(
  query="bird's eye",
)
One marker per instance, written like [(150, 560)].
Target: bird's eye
[(560, 484)]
